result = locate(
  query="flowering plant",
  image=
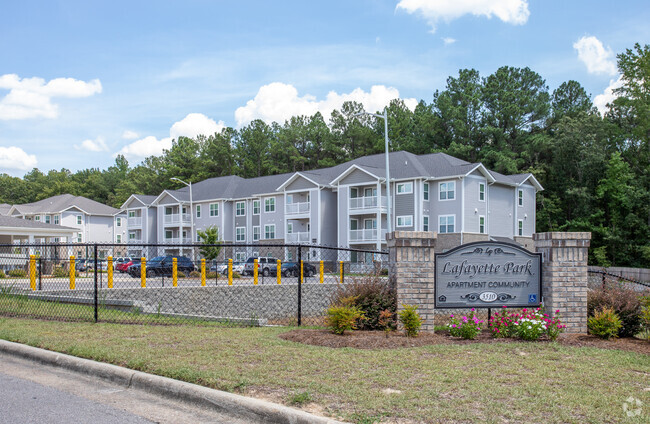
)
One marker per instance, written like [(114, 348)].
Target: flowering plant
[(527, 324), (467, 327)]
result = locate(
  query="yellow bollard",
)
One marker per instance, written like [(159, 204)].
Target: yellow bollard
[(230, 272), (322, 272), (203, 272), (279, 271), (73, 273), (32, 272), (143, 272), (341, 272), (301, 276), (255, 272), (109, 270), (175, 272)]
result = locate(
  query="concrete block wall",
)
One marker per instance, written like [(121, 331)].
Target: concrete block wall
[(564, 276)]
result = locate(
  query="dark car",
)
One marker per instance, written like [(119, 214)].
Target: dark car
[(124, 266), (162, 265), (264, 265), (80, 265), (292, 269)]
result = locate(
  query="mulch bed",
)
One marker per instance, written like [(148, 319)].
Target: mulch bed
[(378, 340)]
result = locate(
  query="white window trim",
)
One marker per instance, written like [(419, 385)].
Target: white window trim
[(355, 220), (426, 192), (237, 234), (271, 202), (479, 192), (403, 217), (237, 209), (446, 191), (520, 198), (37, 218), (289, 227), (265, 231), (259, 233), (118, 238), (259, 207), (80, 220), (118, 221), (479, 224), (406, 184), (447, 224), (520, 227), (210, 210), (198, 211), (56, 220), (425, 218)]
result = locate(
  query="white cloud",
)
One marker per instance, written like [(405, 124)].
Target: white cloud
[(32, 97), (129, 135), (16, 158), (192, 125), (98, 145), (608, 96), (510, 11), (593, 54), (448, 41), (277, 102)]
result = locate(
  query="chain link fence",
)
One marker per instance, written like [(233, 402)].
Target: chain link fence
[(239, 285)]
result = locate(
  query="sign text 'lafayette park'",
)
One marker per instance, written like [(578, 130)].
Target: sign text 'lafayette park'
[(487, 274)]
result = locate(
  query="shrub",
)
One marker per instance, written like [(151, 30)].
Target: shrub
[(210, 275), (645, 316), (411, 320), (180, 274), (344, 316), (387, 321), (235, 275), (60, 272), (624, 301), (195, 274), (18, 273), (605, 323), (2, 274), (527, 324), (467, 327), (372, 296)]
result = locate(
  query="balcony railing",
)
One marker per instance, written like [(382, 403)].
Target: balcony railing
[(178, 240), (367, 202), (366, 235), (177, 218), (134, 221), (297, 208), (298, 237), (134, 241)]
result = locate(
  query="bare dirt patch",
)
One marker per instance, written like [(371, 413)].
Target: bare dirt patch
[(378, 340)]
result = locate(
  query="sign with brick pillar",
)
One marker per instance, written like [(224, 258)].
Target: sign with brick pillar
[(411, 270), (564, 276)]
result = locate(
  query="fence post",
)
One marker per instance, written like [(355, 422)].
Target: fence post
[(109, 270), (32, 272), (279, 271), (255, 272), (322, 272), (203, 272), (72, 273), (40, 273), (95, 291), (143, 272), (175, 272), (300, 287)]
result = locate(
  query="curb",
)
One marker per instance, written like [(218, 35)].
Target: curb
[(232, 404)]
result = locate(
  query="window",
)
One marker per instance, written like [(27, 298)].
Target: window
[(354, 193), (370, 192), (481, 224), (168, 234), (256, 233), (405, 221), (131, 236), (198, 211), (481, 192), (240, 256), (289, 198), (426, 191), (354, 224), (448, 190), (168, 211), (269, 231), (131, 214), (256, 207), (78, 219), (521, 227), (56, 219), (240, 234), (47, 219), (269, 205), (79, 238), (370, 224), (520, 198), (425, 223), (289, 227), (404, 188), (118, 221), (37, 218), (240, 208), (118, 238), (214, 209), (446, 223)]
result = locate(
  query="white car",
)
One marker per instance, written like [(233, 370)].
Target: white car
[(222, 268)]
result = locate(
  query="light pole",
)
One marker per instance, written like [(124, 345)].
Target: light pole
[(191, 211), (384, 116)]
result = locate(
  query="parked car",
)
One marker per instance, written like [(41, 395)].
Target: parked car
[(162, 265), (120, 261), (264, 265), (292, 269), (124, 266), (222, 268), (80, 265)]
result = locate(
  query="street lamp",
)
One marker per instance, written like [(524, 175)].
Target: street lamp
[(384, 116), (191, 211)]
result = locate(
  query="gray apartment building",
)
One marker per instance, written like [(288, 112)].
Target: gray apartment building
[(342, 206)]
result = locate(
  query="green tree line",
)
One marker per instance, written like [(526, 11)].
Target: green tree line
[(595, 168)]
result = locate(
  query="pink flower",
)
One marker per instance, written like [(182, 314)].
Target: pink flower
[(557, 312), (472, 309), (451, 316)]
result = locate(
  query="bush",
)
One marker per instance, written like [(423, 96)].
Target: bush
[(605, 323), (2, 274), (60, 272), (528, 324), (344, 316), (372, 296), (210, 275), (645, 316), (195, 274), (18, 273), (411, 320), (624, 301), (467, 327), (180, 274)]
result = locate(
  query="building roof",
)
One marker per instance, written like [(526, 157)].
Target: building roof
[(11, 222), (62, 202), (4, 208)]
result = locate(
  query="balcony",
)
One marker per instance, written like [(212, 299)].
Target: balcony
[(176, 218), (298, 237), (134, 241), (297, 208), (366, 235), (134, 221), (367, 202), (177, 240)]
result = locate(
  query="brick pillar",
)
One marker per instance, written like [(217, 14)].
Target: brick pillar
[(411, 271), (564, 276)]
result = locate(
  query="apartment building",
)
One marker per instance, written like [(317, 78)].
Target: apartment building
[(344, 206)]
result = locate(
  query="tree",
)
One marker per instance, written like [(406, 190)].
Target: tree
[(570, 99), (211, 243)]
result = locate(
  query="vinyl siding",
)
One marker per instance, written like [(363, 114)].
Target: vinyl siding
[(300, 184), (501, 211), (358, 177), (474, 208)]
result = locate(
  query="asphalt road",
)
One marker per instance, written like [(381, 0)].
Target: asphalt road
[(34, 393)]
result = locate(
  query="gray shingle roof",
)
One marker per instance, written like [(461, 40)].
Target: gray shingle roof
[(11, 222), (4, 208), (145, 199), (57, 204)]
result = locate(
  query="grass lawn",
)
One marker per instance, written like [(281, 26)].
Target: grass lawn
[(497, 382)]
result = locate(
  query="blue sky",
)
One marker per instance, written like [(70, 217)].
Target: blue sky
[(82, 81)]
